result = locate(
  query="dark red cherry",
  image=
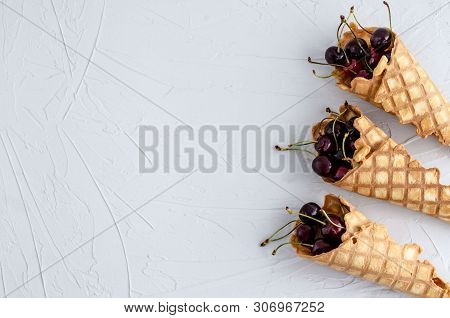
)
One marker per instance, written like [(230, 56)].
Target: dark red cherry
[(322, 165), (321, 246), (381, 39), (335, 55), (350, 147), (354, 135), (313, 210), (339, 155), (333, 233), (374, 58), (305, 234), (365, 74), (339, 172), (352, 68), (340, 128), (325, 145), (355, 50)]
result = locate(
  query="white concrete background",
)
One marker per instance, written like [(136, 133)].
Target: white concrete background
[(69, 128)]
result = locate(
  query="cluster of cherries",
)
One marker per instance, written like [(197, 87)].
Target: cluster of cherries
[(357, 59), (335, 148), (315, 229)]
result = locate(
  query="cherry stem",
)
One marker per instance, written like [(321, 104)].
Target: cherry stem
[(286, 235), (354, 35), (339, 41), (319, 63), (290, 211), (338, 36), (290, 243), (352, 12), (390, 17), (268, 240), (342, 30), (294, 146), (335, 65), (303, 143), (367, 64), (329, 220), (334, 134), (321, 76), (343, 145), (336, 114), (334, 124)]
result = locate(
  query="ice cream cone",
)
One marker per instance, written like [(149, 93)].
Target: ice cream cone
[(401, 87), (369, 252), (384, 169)]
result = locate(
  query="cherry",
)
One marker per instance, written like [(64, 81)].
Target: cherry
[(339, 155), (331, 232), (325, 145), (305, 234), (352, 68), (339, 172), (374, 58), (365, 74), (335, 55), (354, 135), (312, 210), (340, 128), (356, 48), (381, 39), (321, 246), (322, 165), (349, 147)]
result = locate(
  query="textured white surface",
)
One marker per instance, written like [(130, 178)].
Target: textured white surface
[(69, 128)]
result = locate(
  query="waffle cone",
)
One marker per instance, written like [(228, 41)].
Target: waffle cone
[(369, 252), (403, 88), (385, 170)]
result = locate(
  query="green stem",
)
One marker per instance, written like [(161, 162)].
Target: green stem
[(339, 41), (331, 64), (390, 16), (289, 243), (329, 220), (354, 35), (293, 146), (268, 240), (321, 76), (290, 211), (352, 12), (367, 64), (343, 145), (342, 30), (319, 63), (334, 123), (287, 234)]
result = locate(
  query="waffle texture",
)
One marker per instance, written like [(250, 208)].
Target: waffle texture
[(403, 88), (369, 252), (384, 169)]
